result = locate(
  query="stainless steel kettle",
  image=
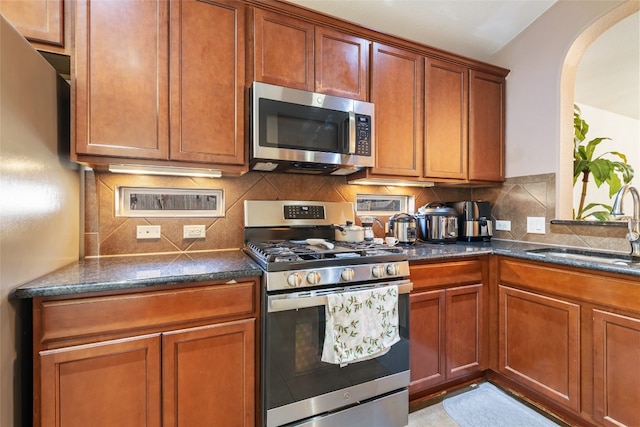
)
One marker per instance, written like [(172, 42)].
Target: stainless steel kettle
[(402, 226)]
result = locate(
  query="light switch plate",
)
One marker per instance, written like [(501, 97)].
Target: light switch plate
[(193, 232), (502, 225), (535, 225)]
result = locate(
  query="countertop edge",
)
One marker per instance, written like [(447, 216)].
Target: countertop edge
[(140, 272)]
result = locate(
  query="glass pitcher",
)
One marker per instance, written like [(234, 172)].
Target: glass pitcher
[(367, 223)]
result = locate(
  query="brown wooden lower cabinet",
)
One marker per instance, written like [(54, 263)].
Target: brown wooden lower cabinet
[(172, 357), (112, 383), (616, 369), (569, 339), (208, 375), (447, 325), (539, 344)]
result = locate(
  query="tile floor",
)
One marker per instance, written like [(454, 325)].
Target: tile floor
[(433, 415)]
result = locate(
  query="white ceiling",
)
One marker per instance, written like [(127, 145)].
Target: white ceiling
[(473, 28), (480, 28)]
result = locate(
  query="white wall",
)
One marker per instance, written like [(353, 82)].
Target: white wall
[(540, 88), (536, 59), (39, 194), (625, 135)]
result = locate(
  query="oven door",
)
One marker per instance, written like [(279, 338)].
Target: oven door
[(296, 384)]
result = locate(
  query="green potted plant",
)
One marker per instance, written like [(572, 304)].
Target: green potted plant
[(603, 170)]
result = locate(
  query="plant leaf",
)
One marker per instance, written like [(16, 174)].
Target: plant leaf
[(591, 146), (598, 214), (614, 184), (600, 169)]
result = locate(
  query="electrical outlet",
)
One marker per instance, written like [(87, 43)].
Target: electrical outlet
[(193, 232), (535, 225), (148, 232), (502, 225)]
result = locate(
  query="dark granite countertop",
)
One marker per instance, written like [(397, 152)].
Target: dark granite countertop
[(431, 252), (129, 272), (517, 249)]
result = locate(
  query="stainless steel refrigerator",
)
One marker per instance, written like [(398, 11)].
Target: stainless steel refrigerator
[(39, 198)]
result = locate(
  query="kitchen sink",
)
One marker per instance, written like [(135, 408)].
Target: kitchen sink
[(588, 256)]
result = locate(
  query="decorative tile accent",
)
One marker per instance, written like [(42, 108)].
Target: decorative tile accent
[(535, 195), (111, 235), (517, 198)]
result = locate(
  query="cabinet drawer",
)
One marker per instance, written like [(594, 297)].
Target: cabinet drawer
[(87, 317), (595, 287), (446, 273)]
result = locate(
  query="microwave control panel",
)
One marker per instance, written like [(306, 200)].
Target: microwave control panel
[(363, 135)]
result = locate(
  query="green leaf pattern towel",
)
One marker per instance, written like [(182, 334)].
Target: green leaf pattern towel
[(360, 325)]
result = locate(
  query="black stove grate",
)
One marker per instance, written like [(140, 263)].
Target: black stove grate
[(290, 251)]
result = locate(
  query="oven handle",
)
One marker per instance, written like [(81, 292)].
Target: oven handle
[(308, 299)]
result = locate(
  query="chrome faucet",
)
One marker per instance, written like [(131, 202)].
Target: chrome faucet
[(634, 222)]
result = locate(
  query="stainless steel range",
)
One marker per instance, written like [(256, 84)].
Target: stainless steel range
[(303, 267)]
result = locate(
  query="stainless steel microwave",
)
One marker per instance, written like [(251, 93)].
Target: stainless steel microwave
[(306, 132)]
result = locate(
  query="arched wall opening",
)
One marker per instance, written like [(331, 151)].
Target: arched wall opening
[(564, 183)]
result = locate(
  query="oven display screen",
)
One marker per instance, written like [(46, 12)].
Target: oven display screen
[(303, 212)]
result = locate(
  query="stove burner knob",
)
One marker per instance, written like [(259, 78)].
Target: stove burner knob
[(314, 277), (393, 269), (294, 279), (348, 274), (378, 271)]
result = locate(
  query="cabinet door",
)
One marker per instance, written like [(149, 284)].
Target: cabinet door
[(39, 21), (539, 344), (122, 87), (616, 369), (341, 64), (283, 51), (426, 320), (113, 383), (397, 87), (207, 81), (446, 153), (209, 375), (486, 127), (463, 330)]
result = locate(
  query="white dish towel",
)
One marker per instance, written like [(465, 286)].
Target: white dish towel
[(360, 325)]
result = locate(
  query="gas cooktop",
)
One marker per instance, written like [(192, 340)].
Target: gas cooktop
[(299, 250), (279, 255)]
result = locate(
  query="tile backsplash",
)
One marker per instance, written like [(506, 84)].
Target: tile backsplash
[(107, 234)]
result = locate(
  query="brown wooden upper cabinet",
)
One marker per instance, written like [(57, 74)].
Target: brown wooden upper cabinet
[(486, 126), (148, 70), (436, 120), (464, 123), (446, 116), (298, 54), (39, 21), (396, 91)]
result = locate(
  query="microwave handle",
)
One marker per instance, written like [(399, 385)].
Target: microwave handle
[(351, 133)]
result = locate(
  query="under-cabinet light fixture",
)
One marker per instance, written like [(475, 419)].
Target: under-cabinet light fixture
[(165, 170), (391, 182)]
